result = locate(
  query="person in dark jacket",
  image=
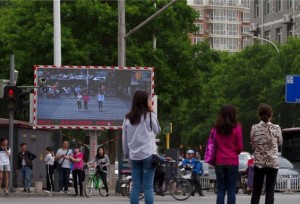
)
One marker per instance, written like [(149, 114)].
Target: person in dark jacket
[(24, 160)]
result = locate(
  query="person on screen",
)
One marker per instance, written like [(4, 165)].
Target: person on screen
[(86, 100), (100, 99), (79, 99)]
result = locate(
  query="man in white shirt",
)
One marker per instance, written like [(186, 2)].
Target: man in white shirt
[(63, 155), (4, 163), (100, 99)]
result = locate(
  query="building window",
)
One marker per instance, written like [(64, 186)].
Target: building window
[(268, 35), (268, 7), (256, 8), (232, 44), (200, 14), (246, 3), (245, 29), (279, 35), (290, 30), (219, 29), (219, 43), (218, 15), (198, 2), (232, 29), (199, 28), (232, 15), (279, 5), (246, 17), (289, 3), (198, 40)]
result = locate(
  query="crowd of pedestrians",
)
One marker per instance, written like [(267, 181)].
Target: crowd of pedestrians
[(140, 128)]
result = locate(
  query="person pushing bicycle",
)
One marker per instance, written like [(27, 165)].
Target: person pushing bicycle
[(101, 161)]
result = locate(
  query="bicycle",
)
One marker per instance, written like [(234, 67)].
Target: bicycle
[(93, 181), (178, 186)]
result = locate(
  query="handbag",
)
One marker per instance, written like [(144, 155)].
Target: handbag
[(210, 151)]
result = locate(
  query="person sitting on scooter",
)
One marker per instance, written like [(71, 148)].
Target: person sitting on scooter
[(197, 170)]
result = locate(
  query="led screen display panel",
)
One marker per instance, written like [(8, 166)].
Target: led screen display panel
[(87, 97)]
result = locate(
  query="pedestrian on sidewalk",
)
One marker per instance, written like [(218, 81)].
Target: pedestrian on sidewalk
[(4, 164), (49, 160), (228, 145), (100, 100), (140, 127), (77, 170), (86, 100), (24, 162), (63, 155), (79, 99), (101, 161), (265, 138)]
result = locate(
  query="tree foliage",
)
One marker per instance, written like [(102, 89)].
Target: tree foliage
[(192, 81)]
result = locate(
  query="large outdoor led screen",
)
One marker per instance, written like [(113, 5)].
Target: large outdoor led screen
[(88, 97)]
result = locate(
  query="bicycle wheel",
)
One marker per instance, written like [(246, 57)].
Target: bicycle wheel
[(102, 190), (128, 190), (180, 189), (88, 186)]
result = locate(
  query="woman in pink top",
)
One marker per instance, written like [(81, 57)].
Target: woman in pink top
[(77, 170), (229, 144)]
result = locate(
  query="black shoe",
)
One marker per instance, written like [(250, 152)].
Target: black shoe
[(201, 194), (106, 195), (81, 195), (75, 195), (24, 190), (29, 191), (192, 194)]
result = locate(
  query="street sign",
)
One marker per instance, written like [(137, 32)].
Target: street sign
[(292, 89)]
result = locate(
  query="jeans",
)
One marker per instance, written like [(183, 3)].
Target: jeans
[(142, 172), (26, 175), (259, 175), (64, 176), (226, 182)]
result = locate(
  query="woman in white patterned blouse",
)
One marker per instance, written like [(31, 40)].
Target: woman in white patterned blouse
[(265, 139)]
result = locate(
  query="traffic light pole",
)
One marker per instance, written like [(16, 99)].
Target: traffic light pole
[(11, 124)]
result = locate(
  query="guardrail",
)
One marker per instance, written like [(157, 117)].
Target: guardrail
[(288, 184)]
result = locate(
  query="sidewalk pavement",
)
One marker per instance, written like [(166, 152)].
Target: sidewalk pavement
[(18, 192)]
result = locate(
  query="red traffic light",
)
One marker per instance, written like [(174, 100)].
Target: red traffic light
[(11, 93)]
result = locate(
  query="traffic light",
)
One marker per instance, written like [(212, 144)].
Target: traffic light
[(11, 96)]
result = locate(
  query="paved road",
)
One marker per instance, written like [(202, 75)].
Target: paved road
[(113, 108), (209, 198)]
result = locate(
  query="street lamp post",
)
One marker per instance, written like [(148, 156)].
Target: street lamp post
[(269, 41)]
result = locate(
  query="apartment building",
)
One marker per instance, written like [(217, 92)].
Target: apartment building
[(275, 20), (222, 22)]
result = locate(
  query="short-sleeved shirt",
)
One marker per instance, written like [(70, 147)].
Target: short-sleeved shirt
[(49, 159), (78, 165), (4, 158), (66, 163)]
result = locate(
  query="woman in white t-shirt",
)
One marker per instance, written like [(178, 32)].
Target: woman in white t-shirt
[(4, 163), (49, 160)]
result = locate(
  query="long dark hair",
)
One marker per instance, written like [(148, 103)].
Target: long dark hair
[(98, 155), (139, 107), (226, 120)]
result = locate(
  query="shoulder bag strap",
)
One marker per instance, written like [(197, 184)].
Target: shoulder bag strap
[(64, 158), (150, 121)]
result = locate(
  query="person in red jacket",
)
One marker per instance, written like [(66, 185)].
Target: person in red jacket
[(229, 144)]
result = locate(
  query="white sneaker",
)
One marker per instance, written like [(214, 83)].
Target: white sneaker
[(61, 191), (47, 191)]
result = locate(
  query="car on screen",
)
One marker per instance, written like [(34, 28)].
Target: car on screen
[(100, 79)]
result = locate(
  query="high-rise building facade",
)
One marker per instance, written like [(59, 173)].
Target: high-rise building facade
[(222, 22), (275, 20)]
